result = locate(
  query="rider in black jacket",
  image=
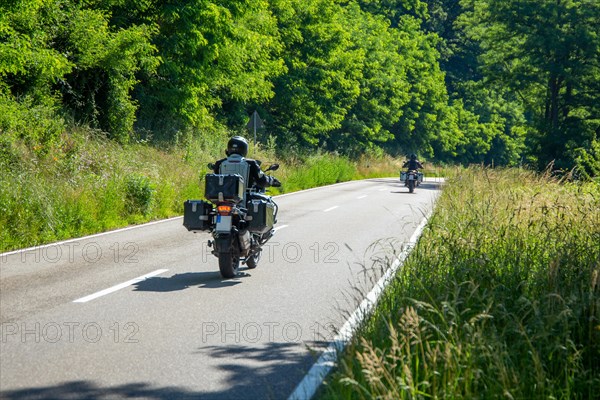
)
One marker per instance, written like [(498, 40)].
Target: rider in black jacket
[(238, 145), (413, 164)]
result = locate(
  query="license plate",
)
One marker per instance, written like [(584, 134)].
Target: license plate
[(411, 177), (223, 223)]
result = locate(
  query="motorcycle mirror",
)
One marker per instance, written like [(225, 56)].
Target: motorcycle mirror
[(273, 167), (211, 165)]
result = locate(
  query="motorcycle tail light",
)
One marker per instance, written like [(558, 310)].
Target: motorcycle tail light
[(224, 209)]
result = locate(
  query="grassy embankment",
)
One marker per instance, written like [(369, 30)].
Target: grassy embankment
[(84, 183), (500, 299)]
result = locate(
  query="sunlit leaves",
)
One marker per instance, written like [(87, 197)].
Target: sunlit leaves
[(547, 52)]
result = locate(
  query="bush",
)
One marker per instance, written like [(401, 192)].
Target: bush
[(37, 125), (139, 194), (588, 161)]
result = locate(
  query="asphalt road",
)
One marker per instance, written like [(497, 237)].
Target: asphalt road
[(78, 321)]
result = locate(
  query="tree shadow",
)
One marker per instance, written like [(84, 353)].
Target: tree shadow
[(87, 390), (260, 371), (273, 370)]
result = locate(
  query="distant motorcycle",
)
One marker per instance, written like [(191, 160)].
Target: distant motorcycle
[(411, 179), (240, 219)]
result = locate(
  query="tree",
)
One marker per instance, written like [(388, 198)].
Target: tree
[(53, 48), (323, 71), (99, 89), (426, 125), (213, 53), (547, 53), (383, 83)]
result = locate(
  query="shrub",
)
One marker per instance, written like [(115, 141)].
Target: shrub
[(139, 194)]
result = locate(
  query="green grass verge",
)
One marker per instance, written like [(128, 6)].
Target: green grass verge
[(500, 299), (83, 183)]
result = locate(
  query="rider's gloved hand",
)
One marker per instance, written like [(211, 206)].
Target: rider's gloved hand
[(275, 182)]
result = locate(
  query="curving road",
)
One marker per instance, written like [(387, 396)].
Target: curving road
[(143, 313)]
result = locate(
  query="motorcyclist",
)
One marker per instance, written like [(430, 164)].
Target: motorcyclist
[(237, 149), (412, 163)]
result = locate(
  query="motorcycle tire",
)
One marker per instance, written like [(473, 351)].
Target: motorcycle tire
[(411, 186), (228, 265), (252, 261)]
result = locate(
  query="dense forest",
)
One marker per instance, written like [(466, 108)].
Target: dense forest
[(500, 82)]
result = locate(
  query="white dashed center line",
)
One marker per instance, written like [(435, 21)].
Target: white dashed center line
[(119, 286)]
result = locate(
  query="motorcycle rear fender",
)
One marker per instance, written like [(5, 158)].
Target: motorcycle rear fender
[(223, 242)]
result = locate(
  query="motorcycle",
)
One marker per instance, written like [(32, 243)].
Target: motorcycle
[(411, 179), (239, 218)]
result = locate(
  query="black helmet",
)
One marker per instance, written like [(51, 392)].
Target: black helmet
[(413, 156), (237, 145)]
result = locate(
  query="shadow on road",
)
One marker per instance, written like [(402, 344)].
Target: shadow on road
[(80, 390), (282, 367), (422, 186), (396, 184), (209, 280)]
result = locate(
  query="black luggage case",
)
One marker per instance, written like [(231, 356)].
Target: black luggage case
[(260, 216), (224, 188), (196, 215)]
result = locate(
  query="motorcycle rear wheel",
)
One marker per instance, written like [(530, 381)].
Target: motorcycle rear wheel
[(228, 265), (411, 186)]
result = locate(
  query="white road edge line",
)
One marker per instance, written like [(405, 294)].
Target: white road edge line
[(119, 286), (361, 197), (330, 209), (311, 382)]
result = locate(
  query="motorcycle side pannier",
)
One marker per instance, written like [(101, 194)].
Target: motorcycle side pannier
[(224, 188), (260, 216), (404, 173), (196, 215)]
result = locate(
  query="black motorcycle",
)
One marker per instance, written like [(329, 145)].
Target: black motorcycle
[(411, 179), (240, 219)]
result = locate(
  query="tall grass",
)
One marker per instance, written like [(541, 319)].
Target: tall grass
[(88, 184), (82, 183), (500, 299)]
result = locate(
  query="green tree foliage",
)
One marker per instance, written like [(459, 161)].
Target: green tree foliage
[(99, 89), (491, 119), (395, 10), (28, 68), (433, 121), (588, 161), (470, 81), (323, 71), (28, 63), (383, 83), (426, 126), (57, 51), (547, 53), (213, 53)]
